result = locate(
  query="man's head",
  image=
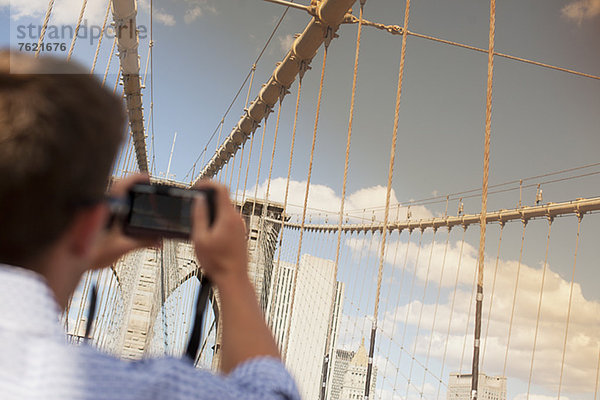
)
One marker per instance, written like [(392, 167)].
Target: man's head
[(59, 134)]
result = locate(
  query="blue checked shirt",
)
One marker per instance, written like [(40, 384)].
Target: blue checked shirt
[(36, 362)]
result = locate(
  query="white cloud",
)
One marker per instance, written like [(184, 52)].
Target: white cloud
[(450, 266), (67, 11), (285, 42), (579, 10), (192, 14), (196, 9), (64, 12), (160, 15), (364, 205), (164, 18)]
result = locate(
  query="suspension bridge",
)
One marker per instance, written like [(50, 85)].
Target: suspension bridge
[(384, 299)]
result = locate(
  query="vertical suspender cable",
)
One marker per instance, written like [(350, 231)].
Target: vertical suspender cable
[(410, 299), (512, 312), (285, 199), (127, 154), (562, 363), (151, 57), (251, 216), (400, 286), (101, 37), (117, 81), (387, 199), (330, 357), (597, 375), (354, 263), (112, 52), (310, 165), (260, 154), (539, 309), (467, 325), (232, 171), (460, 257), (389, 294), (487, 327), (416, 340), (220, 132), (223, 176), (218, 144), (120, 168), (273, 283), (250, 86), (151, 117), (130, 158), (68, 308), (435, 310), (251, 142), (364, 281), (484, 194), (44, 27), (247, 171), (237, 184), (81, 13), (102, 319), (273, 152)]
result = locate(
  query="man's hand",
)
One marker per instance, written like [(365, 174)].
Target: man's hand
[(114, 244), (223, 255), (222, 247)]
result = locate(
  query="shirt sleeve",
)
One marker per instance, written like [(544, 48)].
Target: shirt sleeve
[(265, 375), (259, 378), (100, 376)]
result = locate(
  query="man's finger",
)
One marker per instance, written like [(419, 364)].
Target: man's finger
[(120, 187), (199, 218), (222, 201)]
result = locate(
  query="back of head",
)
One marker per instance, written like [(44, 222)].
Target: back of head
[(59, 134)]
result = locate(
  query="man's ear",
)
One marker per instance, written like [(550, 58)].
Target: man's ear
[(85, 229)]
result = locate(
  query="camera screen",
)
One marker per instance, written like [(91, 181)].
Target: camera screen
[(161, 212)]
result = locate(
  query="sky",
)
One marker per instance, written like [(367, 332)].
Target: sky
[(542, 121)]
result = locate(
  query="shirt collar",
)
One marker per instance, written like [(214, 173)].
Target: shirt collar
[(27, 303)]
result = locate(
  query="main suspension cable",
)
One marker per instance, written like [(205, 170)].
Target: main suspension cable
[(398, 30)]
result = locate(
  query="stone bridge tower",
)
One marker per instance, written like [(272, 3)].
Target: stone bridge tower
[(148, 277)]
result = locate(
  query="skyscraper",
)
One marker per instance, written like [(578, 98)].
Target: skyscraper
[(489, 387), (355, 377), (336, 318), (339, 366), (315, 316), (282, 302)]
